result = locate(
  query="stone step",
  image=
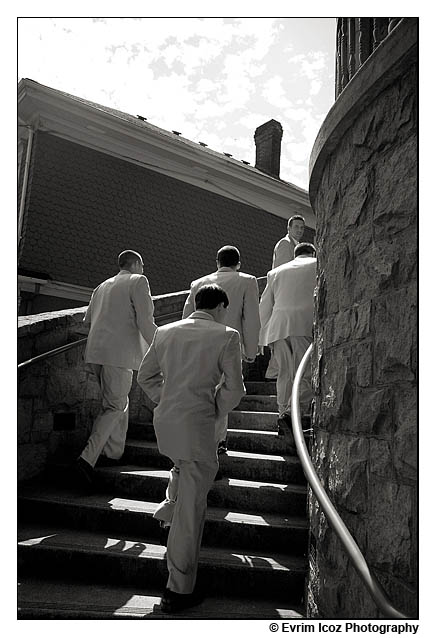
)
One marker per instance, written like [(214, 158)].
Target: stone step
[(234, 494), (128, 561), (238, 421), (141, 431), (258, 403), (66, 600), (263, 441), (260, 387), (246, 419), (253, 420), (280, 468), (106, 512)]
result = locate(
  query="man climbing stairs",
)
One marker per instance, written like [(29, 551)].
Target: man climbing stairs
[(99, 556)]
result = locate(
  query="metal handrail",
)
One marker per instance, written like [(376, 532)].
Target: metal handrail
[(349, 544), (51, 353), (73, 344)]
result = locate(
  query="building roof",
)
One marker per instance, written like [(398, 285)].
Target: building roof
[(143, 124), (131, 138), (102, 181)]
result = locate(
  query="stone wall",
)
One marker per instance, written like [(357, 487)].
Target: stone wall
[(365, 356)]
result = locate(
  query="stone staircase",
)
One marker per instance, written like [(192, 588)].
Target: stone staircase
[(98, 556)]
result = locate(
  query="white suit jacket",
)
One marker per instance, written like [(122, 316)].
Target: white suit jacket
[(180, 372), (243, 309), (121, 316), (284, 251), (287, 303)]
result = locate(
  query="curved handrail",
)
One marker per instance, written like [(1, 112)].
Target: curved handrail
[(73, 344), (331, 514)]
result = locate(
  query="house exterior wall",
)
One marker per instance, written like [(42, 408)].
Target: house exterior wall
[(84, 207), (364, 196)]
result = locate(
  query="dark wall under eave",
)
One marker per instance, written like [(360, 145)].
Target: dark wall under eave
[(84, 207)]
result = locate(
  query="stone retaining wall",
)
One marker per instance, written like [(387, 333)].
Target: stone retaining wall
[(365, 357)]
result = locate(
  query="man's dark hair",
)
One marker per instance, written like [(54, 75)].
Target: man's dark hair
[(304, 248), (127, 258), (228, 256), (209, 297), (291, 220)]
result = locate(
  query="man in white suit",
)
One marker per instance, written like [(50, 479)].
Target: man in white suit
[(243, 294), (284, 249), (243, 311), (181, 372), (283, 252), (120, 315), (286, 311)]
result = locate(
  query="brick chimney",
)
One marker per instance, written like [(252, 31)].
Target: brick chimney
[(268, 138)]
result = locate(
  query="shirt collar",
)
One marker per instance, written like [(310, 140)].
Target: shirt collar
[(225, 269), (201, 314)]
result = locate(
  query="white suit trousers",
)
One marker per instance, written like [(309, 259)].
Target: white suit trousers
[(288, 354), (221, 429), (272, 368), (185, 508), (108, 435)]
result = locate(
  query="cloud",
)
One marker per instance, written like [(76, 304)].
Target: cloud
[(311, 64), (315, 87), (213, 79), (274, 92), (296, 114)]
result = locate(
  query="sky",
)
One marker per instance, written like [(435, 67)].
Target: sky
[(213, 79), (216, 80)]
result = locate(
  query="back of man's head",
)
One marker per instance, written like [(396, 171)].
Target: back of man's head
[(305, 248), (210, 296), (127, 258), (228, 256), (293, 218)]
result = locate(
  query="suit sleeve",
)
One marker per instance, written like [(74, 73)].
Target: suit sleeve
[(87, 318), (250, 319), (281, 254), (232, 387), (143, 304), (189, 305), (149, 376), (265, 310)]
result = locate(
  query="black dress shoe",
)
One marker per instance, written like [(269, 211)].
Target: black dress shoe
[(171, 602), (222, 447), (83, 475)]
